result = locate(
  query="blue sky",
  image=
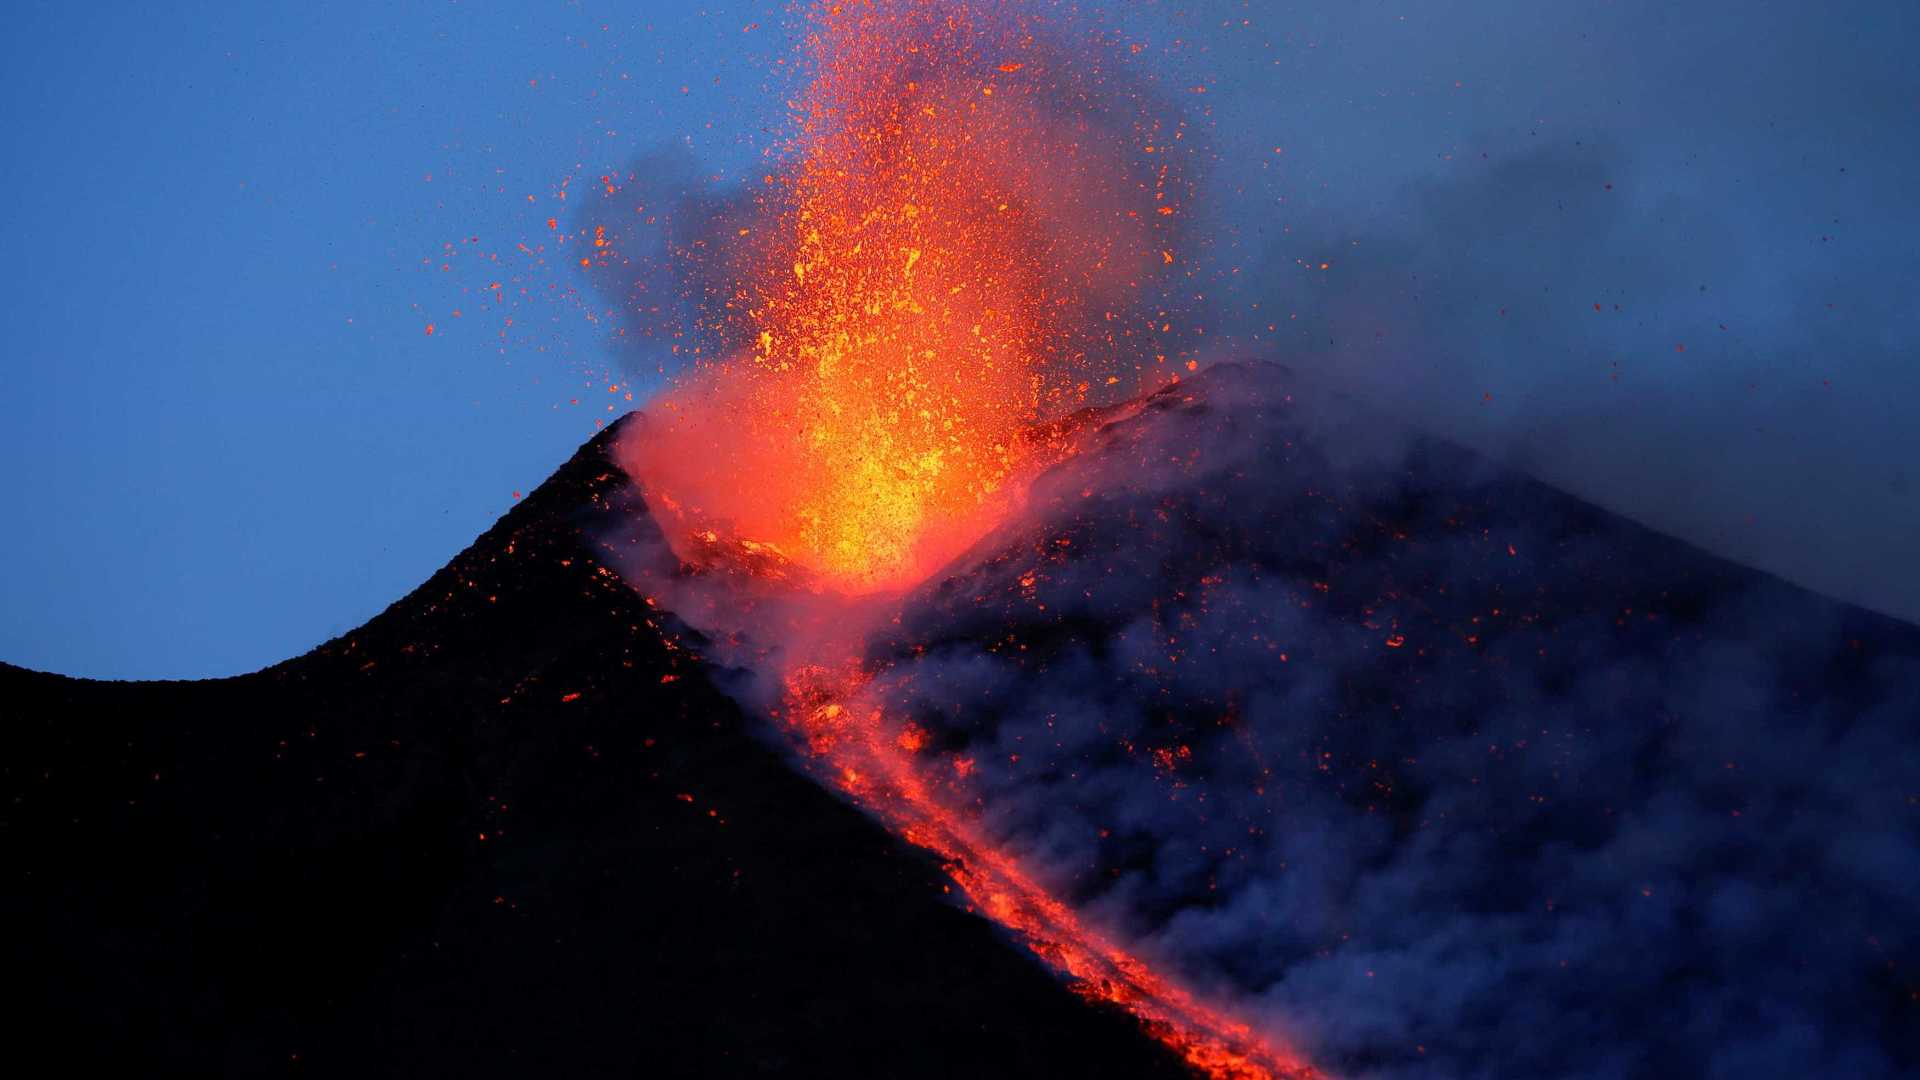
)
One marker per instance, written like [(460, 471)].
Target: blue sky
[(229, 436)]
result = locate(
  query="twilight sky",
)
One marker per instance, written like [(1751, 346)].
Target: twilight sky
[(231, 437)]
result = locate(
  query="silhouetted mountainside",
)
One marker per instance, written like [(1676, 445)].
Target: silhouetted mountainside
[(502, 829)]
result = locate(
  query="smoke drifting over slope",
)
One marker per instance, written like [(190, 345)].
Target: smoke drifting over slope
[(1432, 770), (1539, 309), (1426, 206)]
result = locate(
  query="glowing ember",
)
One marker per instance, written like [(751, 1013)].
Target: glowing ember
[(917, 290)]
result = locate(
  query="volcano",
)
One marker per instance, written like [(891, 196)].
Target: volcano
[(1263, 726)]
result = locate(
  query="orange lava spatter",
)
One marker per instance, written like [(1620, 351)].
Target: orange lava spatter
[(935, 265)]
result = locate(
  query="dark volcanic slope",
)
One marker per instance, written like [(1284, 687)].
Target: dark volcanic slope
[(501, 829), (1447, 773)]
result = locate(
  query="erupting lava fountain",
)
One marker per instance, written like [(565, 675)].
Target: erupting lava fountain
[(962, 255)]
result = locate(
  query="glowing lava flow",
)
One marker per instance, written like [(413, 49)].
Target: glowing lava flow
[(872, 761), (954, 256)]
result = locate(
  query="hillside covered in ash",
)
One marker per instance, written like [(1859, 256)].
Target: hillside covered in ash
[(1431, 768)]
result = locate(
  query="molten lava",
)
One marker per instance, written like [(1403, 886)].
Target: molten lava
[(878, 762), (952, 250), (957, 257)]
